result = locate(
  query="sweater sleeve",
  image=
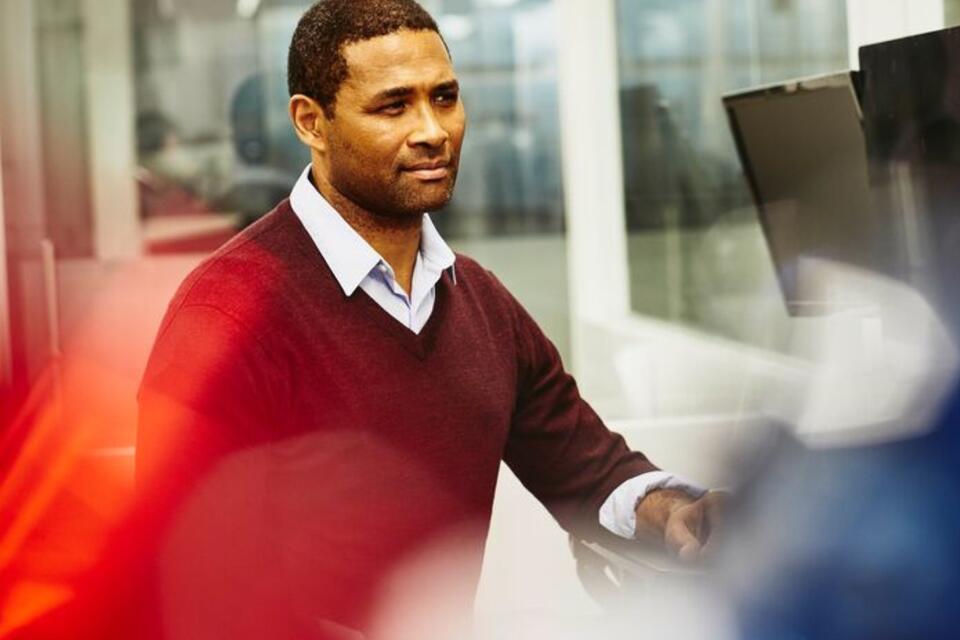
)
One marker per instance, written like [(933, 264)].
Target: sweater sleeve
[(205, 392), (558, 446)]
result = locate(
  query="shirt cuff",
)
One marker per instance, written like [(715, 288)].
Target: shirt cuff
[(618, 514)]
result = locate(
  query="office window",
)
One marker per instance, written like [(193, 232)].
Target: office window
[(696, 252)]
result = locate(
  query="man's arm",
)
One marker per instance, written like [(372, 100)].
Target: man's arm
[(558, 446), (202, 395), (584, 473)]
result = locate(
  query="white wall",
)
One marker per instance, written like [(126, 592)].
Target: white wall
[(870, 21), (111, 128), (592, 166)]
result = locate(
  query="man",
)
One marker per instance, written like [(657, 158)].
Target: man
[(336, 372)]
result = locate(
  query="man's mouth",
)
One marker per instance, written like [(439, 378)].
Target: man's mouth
[(429, 171)]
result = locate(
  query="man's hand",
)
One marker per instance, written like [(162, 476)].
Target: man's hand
[(683, 523)]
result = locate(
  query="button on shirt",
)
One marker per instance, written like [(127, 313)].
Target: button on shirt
[(355, 264)]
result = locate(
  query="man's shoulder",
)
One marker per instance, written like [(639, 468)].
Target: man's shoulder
[(249, 259), (472, 271), (483, 292), (224, 309), (248, 269), (274, 235), (474, 275)]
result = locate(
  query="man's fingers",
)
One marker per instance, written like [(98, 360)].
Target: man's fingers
[(714, 504), (690, 551), (690, 528), (680, 539)]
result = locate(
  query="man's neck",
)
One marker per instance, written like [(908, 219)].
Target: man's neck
[(397, 240)]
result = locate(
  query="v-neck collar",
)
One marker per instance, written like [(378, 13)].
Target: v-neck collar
[(420, 345)]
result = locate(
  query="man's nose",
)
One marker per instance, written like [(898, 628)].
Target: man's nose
[(429, 130)]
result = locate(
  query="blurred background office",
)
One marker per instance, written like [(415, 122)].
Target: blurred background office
[(599, 180)]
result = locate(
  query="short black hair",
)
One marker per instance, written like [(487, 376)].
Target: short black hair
[(316, 67)]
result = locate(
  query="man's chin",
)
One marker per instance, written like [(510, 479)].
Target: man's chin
[(424, 201), (412, 210)]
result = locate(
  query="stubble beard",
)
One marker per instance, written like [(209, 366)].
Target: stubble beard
[(409, 202), (398, 205)]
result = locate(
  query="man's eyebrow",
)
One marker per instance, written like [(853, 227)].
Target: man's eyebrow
[(395, 92), (402, 92), (449, 85)]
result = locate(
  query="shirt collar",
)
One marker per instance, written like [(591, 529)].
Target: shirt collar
[(349, 256), (437, 255)]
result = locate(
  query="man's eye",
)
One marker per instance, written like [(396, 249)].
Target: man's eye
[(446, 98), (393, 108)]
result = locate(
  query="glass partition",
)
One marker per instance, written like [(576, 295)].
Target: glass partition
[(696, 252)]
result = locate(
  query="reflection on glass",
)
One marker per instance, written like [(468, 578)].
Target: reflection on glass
[(696, 252), (216, 149)]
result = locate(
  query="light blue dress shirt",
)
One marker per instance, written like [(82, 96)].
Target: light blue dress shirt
[(355, 264)]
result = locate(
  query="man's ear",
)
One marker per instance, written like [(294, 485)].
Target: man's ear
[(309, 121)]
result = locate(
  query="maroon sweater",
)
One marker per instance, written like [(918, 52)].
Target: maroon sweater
[(311, 441)]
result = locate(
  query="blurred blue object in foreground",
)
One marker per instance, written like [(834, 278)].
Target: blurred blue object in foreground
[(852, 544)]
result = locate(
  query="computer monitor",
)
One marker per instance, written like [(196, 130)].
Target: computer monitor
[(803, 151), (911, 104)]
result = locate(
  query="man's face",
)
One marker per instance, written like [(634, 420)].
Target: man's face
[(393, 145)]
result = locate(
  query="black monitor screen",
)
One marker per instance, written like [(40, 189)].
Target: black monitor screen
[(911, 105), (803, 151)]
